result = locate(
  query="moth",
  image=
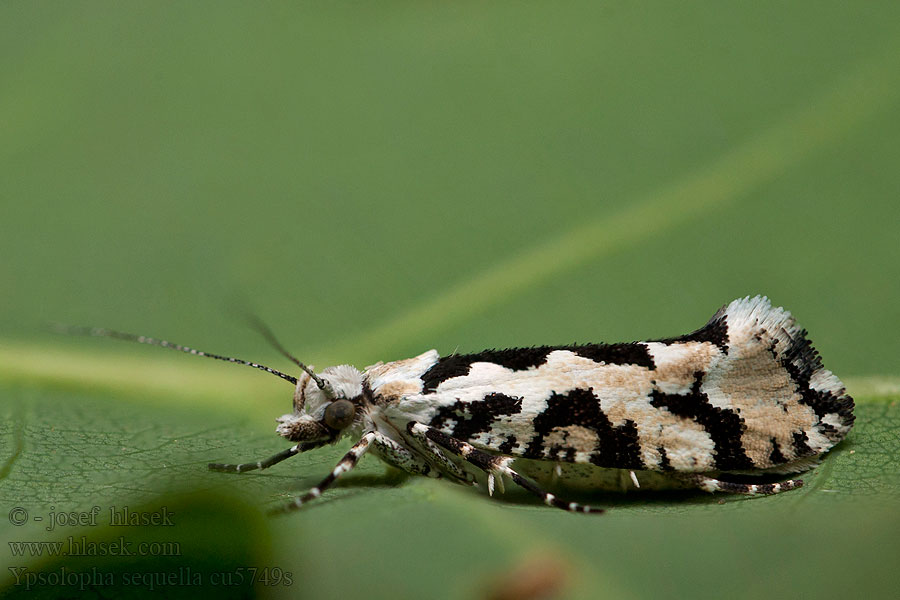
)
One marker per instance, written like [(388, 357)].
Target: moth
[(744, 395)]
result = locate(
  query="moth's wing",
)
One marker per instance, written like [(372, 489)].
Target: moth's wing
[(746, 392)]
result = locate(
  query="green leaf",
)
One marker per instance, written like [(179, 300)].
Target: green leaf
[(67, 451), (380, 179)]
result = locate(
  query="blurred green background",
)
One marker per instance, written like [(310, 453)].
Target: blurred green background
[(377, 179)]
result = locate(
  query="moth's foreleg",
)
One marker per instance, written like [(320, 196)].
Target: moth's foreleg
[(494, 466), (710, 484), (260, 464), (346, 464), (265, 464)]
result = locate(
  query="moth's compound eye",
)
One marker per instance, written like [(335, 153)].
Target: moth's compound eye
[(340, 414)]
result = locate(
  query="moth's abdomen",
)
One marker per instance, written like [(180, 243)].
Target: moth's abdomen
[(745, 392)]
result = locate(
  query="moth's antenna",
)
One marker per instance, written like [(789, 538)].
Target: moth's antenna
[(263, 329), (142, 339)]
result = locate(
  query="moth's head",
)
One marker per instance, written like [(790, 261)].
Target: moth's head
[(325, 406)]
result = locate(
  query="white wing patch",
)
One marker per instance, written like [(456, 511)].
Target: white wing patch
[(400, 378)]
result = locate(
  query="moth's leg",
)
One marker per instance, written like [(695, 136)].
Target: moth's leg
[(710, 484), (442, 463), (494, 466), (260, 464), (634, 479), (346, 464), (397, 455), (556, 474)]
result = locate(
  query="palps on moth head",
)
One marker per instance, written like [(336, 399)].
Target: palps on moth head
[(745, 395)]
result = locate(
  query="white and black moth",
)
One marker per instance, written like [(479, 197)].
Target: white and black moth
[(746, 394)]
